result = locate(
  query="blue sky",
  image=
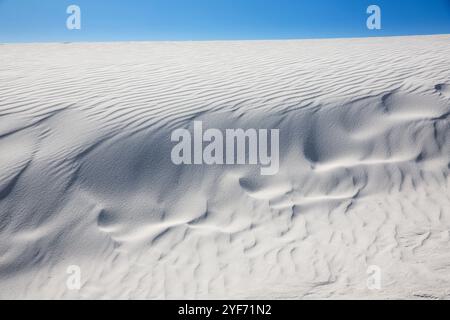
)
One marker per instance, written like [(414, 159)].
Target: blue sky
[(111, 20)]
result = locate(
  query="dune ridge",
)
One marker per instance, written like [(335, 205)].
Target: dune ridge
[(86, 177)]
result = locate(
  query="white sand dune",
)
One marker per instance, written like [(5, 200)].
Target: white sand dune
[(86, 177)]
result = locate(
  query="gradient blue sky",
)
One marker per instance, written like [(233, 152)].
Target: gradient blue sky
[(110, 20)]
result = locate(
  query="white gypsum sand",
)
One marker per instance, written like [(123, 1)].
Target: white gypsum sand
[(86, 177)]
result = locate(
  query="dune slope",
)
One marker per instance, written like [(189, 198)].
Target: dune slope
[(86, 177)]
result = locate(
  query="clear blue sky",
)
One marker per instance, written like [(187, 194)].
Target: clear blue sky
[(110, 20)]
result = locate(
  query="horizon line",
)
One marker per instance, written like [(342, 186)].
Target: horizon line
[(227, 40)]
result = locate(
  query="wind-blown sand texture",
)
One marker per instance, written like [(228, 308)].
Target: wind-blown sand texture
[(86, 177)]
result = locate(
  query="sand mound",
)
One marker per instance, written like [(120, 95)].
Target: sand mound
[(86, 177)]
